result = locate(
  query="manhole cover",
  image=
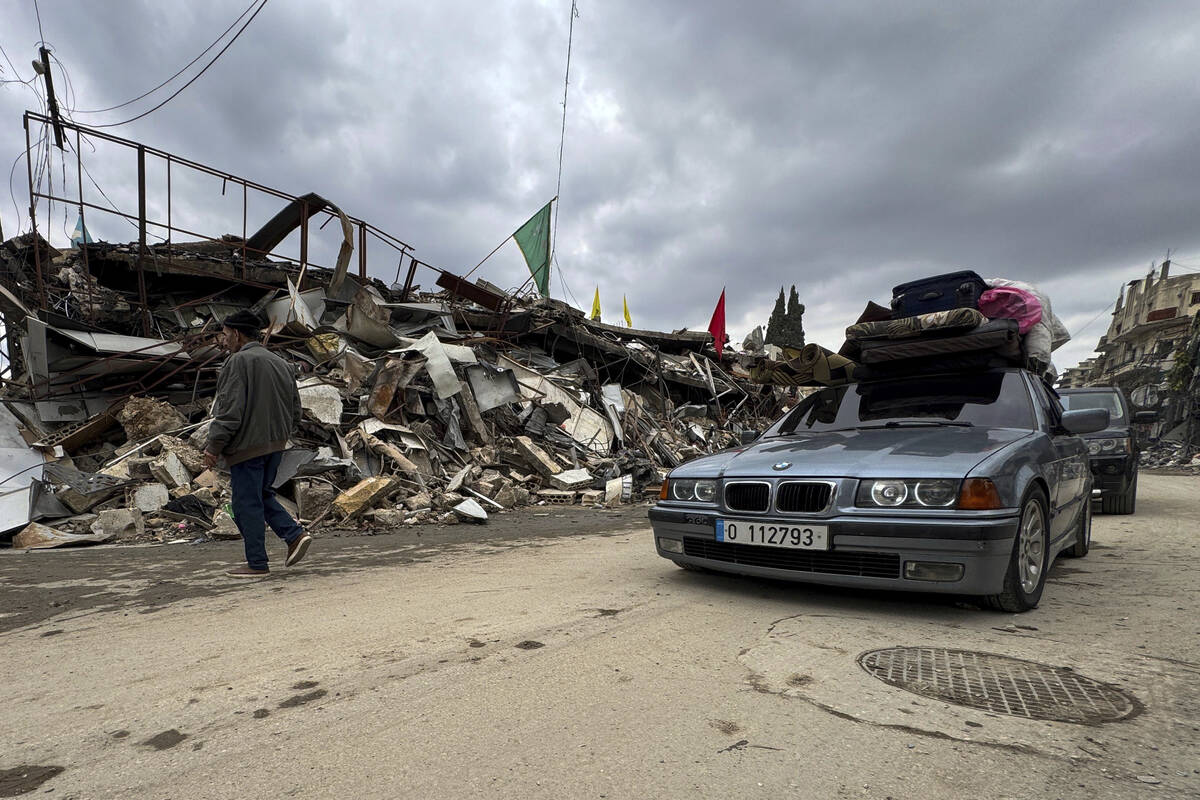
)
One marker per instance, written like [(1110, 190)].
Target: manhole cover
[(1000, 684)]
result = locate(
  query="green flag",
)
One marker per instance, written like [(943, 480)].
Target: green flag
[(534, 240)]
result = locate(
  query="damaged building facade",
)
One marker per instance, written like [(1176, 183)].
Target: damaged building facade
[(443, 403), (1150, 352)]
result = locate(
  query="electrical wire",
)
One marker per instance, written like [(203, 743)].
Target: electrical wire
[(15, 71), (177, 74), (1075, 334), (12, 172), (562, 137), (175, 94), (38, 12)]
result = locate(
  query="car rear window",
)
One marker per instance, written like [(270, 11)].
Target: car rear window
[(989, 399), (1109, 401)]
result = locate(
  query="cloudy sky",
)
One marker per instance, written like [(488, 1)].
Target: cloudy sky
[(841, 147)]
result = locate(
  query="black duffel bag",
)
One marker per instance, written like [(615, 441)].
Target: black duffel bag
[(939, 293)]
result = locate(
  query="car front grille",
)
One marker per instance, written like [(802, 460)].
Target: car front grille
[(807, 498), (831, 562), (747, 496)]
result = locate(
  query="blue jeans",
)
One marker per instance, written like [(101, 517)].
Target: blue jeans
[(255, 507)]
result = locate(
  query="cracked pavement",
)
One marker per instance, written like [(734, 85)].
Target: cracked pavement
[(559, 657)]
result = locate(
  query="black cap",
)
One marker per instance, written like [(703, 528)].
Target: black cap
[(245, 321)]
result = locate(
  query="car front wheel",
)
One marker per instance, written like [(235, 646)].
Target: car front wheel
[(1083, 533), (1026, 575)]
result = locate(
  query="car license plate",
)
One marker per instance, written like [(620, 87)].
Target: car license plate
[(773, 534)]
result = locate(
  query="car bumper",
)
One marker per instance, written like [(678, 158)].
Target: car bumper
[(1112, 473), (868, 553)]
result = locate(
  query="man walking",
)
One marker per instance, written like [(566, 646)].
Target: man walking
[(256, 410)]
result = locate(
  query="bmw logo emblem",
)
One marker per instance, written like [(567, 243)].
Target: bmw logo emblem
[(781, 465)]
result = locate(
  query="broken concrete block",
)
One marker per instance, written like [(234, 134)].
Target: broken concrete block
[(464, 475), (612, 492), (448, 518), (418, 501), (313, 497), (199, 437), (150, 497), (119, 523), (143, 418), (387, 517), (120, 471), (363, 495), (556, 497), (592, 497), (470, 511), (506, 496), (447, 500), (224, 527), (138, 467), (523, 495), (571, 479), (191, 458), (536, 457), (168, 469), (208, 479)]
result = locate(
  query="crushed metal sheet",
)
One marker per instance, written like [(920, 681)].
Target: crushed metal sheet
[(36, 536), (492, 387)]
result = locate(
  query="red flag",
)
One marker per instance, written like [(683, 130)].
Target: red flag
[(716, 326)]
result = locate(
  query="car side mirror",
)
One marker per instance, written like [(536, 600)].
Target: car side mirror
[(1145, 417), (1085, 420), (748, 437)]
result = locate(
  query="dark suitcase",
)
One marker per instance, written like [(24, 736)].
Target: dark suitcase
[(939, 293)]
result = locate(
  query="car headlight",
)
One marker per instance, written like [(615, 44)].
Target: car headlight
[(1108, 447), (908, 493), (686, 490)]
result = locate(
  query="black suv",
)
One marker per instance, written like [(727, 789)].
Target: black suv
[(1113, 452)]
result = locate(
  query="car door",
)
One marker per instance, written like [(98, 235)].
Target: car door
[(1070, 465)]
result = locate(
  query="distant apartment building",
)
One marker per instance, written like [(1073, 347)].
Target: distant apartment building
[(1078, 375)]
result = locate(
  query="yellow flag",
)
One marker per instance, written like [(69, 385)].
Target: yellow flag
[(628, 321), (596, 306)]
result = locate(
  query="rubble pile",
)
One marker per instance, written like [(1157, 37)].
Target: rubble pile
[(1169, 453), (419, 406)]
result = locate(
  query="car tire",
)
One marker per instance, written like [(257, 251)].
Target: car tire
[(1083, 534), (1123, 503), (1030, 558)]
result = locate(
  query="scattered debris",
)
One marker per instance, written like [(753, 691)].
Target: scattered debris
[(440, 406)]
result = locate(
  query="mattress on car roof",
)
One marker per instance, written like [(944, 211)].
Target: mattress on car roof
[(997, 337)]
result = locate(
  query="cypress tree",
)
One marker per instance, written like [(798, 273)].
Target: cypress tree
[(794, 328), (776, 323)]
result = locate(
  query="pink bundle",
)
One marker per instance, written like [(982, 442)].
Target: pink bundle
[(1005, 302)]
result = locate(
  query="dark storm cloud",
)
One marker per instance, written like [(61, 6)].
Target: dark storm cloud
[(842, 147)]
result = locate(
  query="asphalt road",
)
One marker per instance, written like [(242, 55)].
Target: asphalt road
[(559, 657)]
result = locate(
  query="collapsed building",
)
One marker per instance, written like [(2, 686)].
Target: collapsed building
[(421, 404)]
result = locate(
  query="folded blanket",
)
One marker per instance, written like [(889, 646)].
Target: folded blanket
[(939, 322), (813, 365)]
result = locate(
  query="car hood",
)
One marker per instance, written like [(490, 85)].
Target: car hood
[(1121, 431), (878, 453)]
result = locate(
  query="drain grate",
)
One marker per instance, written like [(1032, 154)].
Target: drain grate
[(1000, 684)]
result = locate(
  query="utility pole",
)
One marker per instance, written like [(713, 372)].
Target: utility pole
[(53, 103)]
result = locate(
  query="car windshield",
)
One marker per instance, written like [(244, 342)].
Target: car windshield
[(988, 399), (1109, 401)]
